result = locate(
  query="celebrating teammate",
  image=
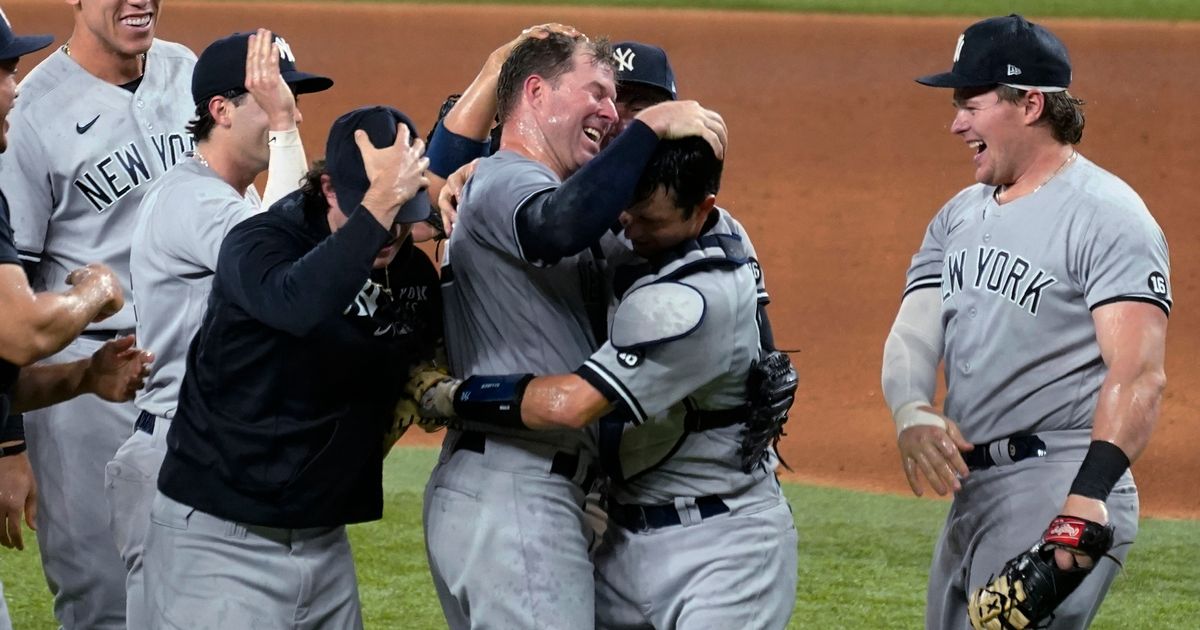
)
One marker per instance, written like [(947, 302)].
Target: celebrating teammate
[(693, 487), (38, 325), (524, 294), (319, 306), (246, 117), (1044, 288), (97, 120)]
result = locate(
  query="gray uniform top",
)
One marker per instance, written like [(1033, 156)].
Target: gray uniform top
[(505, 314), (1019, 282), (81, 152), (691, 338), (183, 218)]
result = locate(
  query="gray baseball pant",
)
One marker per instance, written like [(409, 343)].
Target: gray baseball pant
[(1001, 512), (206, 573), (130, 483), (69, 445)]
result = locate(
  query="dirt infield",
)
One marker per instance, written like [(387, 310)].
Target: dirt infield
[(837, 162)]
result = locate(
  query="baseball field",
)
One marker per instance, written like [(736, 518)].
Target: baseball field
[(837, 162)]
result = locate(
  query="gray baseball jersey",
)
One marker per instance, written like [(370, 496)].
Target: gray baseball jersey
[(183, 218), (681, 342), (1018, 284), (505, 314), (182, 221), (82, 153)]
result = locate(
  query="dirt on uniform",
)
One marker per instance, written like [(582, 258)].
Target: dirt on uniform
[(837, 162)]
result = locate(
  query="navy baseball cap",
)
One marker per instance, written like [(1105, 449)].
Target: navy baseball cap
[(645, 65), (1007, 51), (13, 46), (222, 67), (344, 163)]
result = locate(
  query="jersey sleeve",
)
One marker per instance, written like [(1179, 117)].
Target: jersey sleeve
[(26, 184), (925, 270), (645, 381), (1123, 256), (493, 197), (8, 248), (759, 277)]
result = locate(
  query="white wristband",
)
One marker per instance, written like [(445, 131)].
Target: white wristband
[(909, 415)]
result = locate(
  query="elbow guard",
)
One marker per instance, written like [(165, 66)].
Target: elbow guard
[(495, 400)]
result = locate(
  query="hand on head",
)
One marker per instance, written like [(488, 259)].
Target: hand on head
[(672, 120), (265, 82), (100, 284), (538, 31), (397, 172)]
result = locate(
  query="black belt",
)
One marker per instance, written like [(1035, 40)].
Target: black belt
[(1009, 450), (564, 464), (105, 334), (646, 517), (145, 422)]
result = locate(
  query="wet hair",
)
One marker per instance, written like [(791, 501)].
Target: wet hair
[(549, 58), (1062, 112), (687, 168), (202, 125)]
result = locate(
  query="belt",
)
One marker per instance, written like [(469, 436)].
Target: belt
[(564, 464), (647, 517), (145, 422), (1004, 451), (105, 334)]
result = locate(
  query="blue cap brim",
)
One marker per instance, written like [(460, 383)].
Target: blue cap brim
[(306, 83), (21, 46), (952, 80)]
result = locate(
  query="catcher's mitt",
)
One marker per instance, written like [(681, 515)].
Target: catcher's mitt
[(771, 390), (423, 382), (403, 416), (1031, 586)]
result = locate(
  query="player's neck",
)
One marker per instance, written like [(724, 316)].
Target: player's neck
[(103, 62), (1046, 165), (226, 166), (527, 139)]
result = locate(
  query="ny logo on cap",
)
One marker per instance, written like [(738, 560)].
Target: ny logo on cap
[(958, 47), (624, 57), (285, 50)]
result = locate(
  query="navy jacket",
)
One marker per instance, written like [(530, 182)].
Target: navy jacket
[(293, 375)]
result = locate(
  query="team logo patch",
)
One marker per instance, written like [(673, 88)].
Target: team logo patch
[(1158, 284), (631, 359), (624, 58)]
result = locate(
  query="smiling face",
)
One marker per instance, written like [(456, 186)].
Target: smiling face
[(575, 112), (124, 28), (996, 131)]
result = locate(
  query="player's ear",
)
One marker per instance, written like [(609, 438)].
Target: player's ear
[(535, 89), (705, 207), (218, 108), (1033, 104), (328, 192)]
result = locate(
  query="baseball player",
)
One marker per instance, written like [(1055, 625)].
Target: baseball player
[(246, 117), (704, 537), (97, 121), (38, 325), (519, 281), (1044, 289), (319, 306)]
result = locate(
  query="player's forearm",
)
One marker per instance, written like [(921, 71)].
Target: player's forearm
[(287, 165), (563, 401), (475, 112), (45, 323), (1128, 408), (40, 386)]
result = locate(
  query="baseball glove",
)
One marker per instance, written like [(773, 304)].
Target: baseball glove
[(1031, 586), (771, 390), (423, 381), (404, 415)]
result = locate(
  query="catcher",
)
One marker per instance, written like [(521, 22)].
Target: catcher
[(688, 445), (1044, 289)]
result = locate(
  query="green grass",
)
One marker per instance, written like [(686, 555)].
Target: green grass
[(1134, 9), (863, 563)]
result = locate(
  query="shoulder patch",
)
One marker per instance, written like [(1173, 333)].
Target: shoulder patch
[(656, 313)]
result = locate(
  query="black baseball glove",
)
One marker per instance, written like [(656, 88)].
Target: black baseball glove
[(771, 390), (1031, 586)]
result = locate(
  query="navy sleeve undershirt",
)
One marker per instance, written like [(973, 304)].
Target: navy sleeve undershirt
[(566, 220)]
